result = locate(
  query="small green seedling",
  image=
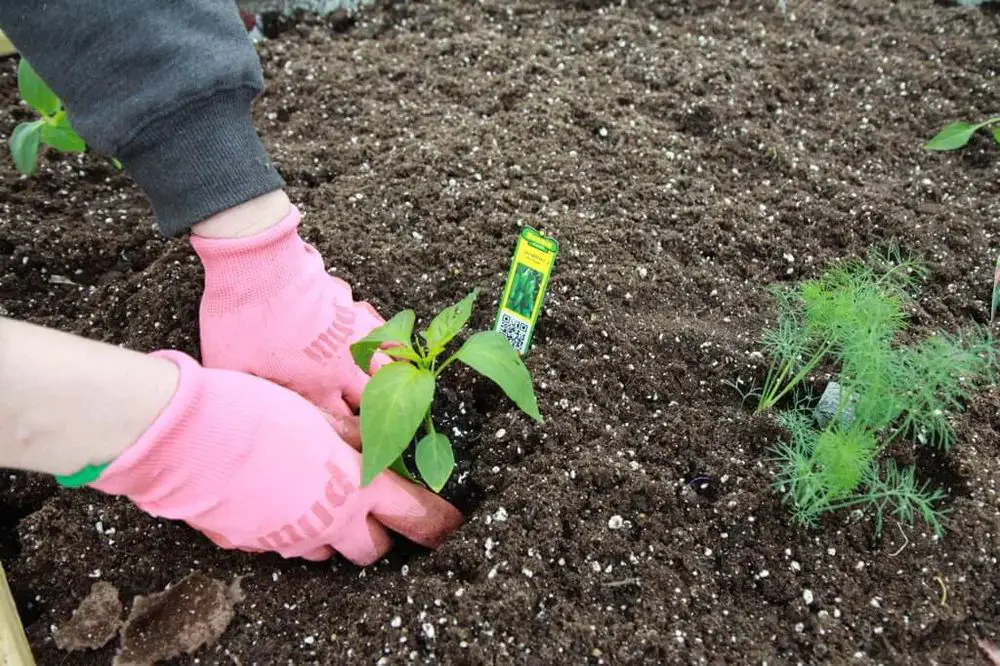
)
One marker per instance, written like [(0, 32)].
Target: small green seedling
[(848, 314), (957, 134), (995, 301), (52, 129), (397, 400), (848, 320)]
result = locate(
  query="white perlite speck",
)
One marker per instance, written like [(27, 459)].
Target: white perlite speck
[(500, 515), (807, 596), (396, 622), (501, 433), (615, 522), (428, 630)]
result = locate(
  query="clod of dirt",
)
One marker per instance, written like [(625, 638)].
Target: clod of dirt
[(95, 622), (341, 21), (193, 613)]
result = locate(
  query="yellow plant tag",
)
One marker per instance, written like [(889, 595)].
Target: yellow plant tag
[(524, 293)]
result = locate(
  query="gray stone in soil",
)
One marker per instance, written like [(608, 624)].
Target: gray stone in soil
[(826, 409), (321, 7)]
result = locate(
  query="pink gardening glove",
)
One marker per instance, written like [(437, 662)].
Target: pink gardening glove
[(271, 309), (257, 467)]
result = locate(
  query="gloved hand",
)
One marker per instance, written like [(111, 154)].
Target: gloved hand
[(257, 467), (270, 309)]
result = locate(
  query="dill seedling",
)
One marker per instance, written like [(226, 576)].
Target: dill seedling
[(849, 312), (850, 317), (821, 471)]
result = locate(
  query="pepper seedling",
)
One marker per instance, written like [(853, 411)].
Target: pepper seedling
[(398, 398), (52, 129), (955, 135)]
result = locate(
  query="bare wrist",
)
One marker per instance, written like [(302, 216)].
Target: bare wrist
[(247, 219)]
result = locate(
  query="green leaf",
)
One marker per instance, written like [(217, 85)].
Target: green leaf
[(953, 136), (24, 142), (447, 324), (406, 353), (995, 303), (116, 164), (62, 137), (398, 329), (393, 404), (435, 460), (34, 91), (490, 354), (399, 467), (996, 134)]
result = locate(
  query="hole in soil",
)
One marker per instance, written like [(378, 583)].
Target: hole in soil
[(941, 471), (701, 121), (704, 485), (29, 610), (21, 496)]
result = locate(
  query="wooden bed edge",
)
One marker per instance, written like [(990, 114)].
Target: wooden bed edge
[(14, 649)]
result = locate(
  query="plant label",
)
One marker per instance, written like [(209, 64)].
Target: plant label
[(524, 293)]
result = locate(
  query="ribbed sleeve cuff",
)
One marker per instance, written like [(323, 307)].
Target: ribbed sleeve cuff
[(200, 159)]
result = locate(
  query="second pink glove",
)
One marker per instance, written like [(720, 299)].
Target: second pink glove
[(270, 309)]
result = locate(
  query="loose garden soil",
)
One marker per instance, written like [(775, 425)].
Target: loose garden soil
[(686, 155)]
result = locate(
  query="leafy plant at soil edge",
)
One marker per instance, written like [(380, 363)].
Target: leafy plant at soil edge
[(51, 129), (886, 393), (397, 400), (957, 134)]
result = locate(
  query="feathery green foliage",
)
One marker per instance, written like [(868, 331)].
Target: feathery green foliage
[(850, 318), (850, 313)]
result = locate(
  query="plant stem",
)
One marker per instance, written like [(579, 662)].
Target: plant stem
[(994, 119), (767, 403), (425, 363), (885, 443), (444, 365), (867, 499)]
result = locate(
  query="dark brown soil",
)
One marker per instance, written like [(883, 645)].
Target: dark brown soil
[(686, 155)]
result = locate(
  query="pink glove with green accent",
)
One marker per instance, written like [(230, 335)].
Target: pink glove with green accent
[(257, 467), (271, 309)]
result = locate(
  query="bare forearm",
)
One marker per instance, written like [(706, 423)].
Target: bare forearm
[(67, 402)]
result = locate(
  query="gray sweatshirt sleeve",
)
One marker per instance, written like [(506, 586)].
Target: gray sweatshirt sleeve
[(165, 86)]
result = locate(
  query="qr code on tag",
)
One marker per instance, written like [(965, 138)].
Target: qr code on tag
[(515, 330)]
